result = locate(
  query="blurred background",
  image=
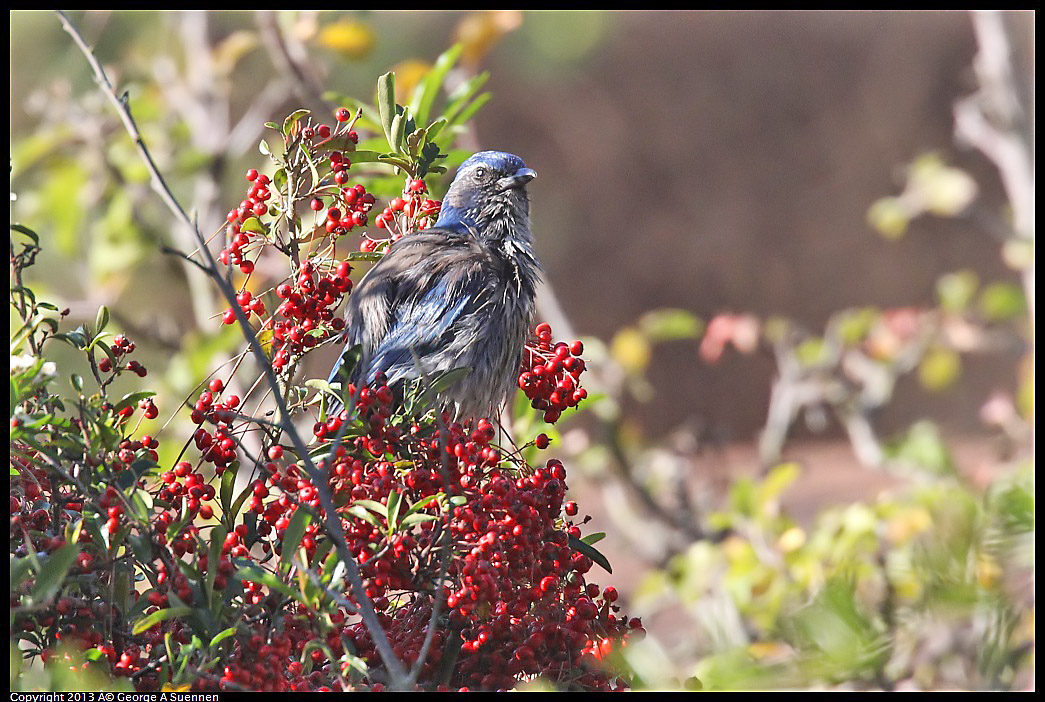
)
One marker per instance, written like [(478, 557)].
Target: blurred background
[(692, 166)]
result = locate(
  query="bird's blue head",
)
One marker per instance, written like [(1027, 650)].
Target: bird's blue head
[(489, 188)]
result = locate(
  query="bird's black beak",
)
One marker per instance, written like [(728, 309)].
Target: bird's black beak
[(520, 178)]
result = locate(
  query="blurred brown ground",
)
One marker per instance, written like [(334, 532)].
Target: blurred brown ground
[(725, 161)]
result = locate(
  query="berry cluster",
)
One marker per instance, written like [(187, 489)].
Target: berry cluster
[(411, 212), (551, 373), (254, 205), (308, 308), (217, 446), (351, 204), (121, 346), (450, 531)]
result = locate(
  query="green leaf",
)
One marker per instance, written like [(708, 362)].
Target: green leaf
[(365, 156), (221, 636), (422, 503), (432, 132), (394, 160), (292, 119), (107, 351), (956, 290), (293, 534), (101, 320), (939, 368), (253, 224), (20, 570), (1002, 301), (374, 506), (228, 484), (350, 359), (76, 338), (160, 615), (468, 112), (217, 541), (462, 94), (363, 513), (53, 572), (395, 133), (392, 510), (594, 538), (131, 399), (364, 256), (263, 577), (428, 89), (923, 447), (670, 325), (412, 519), (386, 103), (591, 552), (244, 494), (311, 166), (21, 228)]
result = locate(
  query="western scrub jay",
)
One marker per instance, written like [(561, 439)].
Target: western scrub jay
[(458, 294)]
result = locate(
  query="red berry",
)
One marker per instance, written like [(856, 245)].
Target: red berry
[(342, 114), (252, 174)]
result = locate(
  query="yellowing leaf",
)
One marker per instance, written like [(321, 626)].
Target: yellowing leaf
[(352, 39), (631, 350), (761, 650), (791, 540), (171, 687), (942, 190), (907, 524), (987, 571), (266, 339), (477, 32), (889, 216), (232, 48), (939, 369), (408, 74)]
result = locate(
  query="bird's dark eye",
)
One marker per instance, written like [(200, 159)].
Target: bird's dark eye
[(480, 172)]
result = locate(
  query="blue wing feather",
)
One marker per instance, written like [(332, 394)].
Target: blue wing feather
[(417, 328)]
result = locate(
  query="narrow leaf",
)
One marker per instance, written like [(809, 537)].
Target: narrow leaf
[(160, 615), (292, 119), (428, 89), (221, 636), (257, 575), (395, 133), (394, 502), (590, 551), (293, 534), (386, 103), (465, 92), (101, 320), (53, 572), (228, 484)]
